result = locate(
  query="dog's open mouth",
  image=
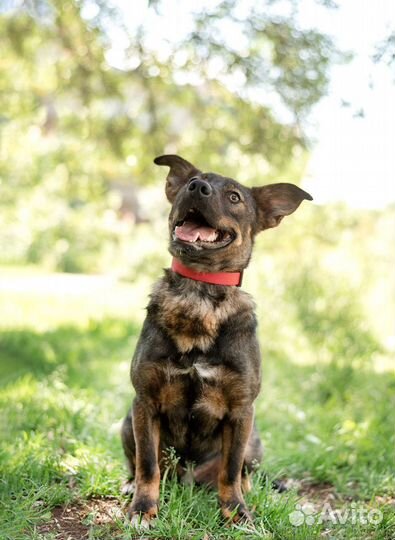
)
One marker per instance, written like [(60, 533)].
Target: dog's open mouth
[(194, 229)]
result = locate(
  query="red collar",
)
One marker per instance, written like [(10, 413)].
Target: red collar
[(215, 278)]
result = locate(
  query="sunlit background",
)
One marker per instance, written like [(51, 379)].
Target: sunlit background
[(351, 129), (289, 90), (262, 91)]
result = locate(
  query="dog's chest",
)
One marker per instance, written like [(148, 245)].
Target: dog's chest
[(201, 388), (193, 400), (193, 320)]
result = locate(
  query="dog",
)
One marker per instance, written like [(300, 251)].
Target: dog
[(196, 368)]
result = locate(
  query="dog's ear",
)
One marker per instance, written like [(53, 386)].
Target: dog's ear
[(180, 172), (275, 201)]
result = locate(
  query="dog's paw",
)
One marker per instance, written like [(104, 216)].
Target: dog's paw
[(128, 487), (141, 522), (236, 512), (142, 515), (280, 485)]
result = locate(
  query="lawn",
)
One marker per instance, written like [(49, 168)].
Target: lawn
[(326, 417)]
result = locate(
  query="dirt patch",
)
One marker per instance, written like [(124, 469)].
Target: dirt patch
[(314, 491), (321, 492), (385, 500), (73, 521), (324, 492)]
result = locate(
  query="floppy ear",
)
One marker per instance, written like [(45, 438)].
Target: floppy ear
[(276, 201), (180, 172)]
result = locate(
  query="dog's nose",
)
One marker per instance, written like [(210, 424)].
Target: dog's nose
[(200, 187)]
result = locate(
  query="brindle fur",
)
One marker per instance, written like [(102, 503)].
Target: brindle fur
[(196, 368)]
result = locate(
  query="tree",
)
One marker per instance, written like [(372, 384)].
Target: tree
[(72, 123), (385, 51)]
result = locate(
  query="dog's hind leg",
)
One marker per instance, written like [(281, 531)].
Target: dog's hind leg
[(207, 472), (129, 448), (252, 459)]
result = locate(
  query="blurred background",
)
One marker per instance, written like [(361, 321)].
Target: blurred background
[(275, 90), (291, 90)]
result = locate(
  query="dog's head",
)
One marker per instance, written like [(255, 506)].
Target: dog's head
[(214, 219)]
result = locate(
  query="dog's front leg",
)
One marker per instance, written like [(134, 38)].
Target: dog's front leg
[(236, 431), (144, 506)]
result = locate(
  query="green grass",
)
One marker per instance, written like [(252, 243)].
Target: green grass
[(64, 365)]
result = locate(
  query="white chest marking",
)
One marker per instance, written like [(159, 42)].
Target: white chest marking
[(206, 372), (203, 371)]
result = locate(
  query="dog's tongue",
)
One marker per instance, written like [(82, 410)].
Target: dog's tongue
[(191, 232)]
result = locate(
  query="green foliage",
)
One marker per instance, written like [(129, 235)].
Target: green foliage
[(331, 318), (65, 390), (385, 51), (271, 52), (72, 125)]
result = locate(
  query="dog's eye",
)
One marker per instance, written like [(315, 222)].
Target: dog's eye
[(234, 197)]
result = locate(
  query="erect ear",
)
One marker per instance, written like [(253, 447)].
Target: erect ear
[(275, 201), (180, 172)]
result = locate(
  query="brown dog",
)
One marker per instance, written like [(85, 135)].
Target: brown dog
[(196, 368)]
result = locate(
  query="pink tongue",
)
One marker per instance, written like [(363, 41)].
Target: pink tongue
[(190, 232)]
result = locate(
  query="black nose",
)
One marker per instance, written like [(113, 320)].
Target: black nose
[(200, 187)]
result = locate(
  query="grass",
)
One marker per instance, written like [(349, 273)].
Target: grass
[(327, 422)]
